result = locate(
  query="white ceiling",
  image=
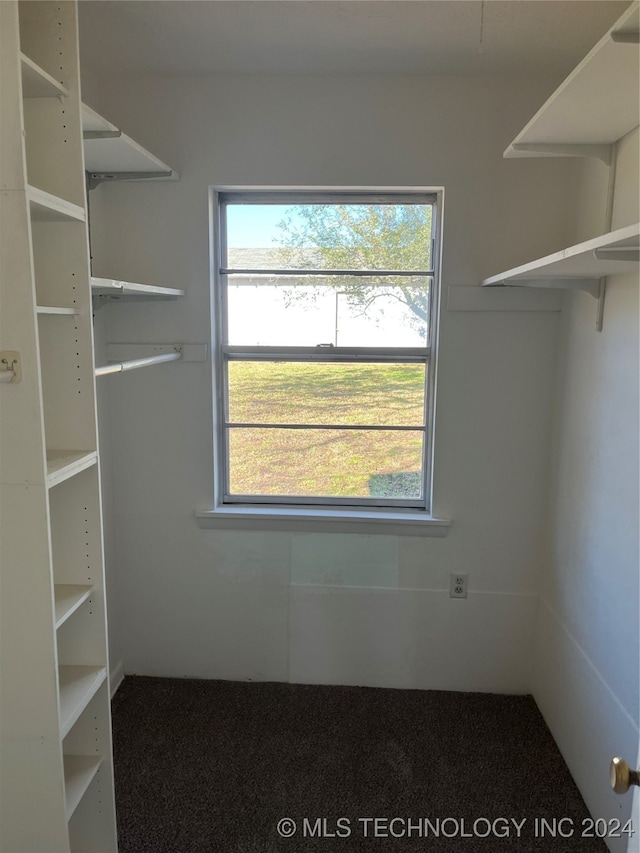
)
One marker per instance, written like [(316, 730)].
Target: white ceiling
[(353, 37)]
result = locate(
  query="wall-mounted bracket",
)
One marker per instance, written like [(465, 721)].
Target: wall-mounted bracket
[(117, 352), (626, 37), (94, 179), (617, 253), (99, 300), (602, 288), (601, 152), (101, 134), (589, 285), (10, 372)]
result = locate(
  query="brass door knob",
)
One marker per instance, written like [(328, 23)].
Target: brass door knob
[(622, 777)]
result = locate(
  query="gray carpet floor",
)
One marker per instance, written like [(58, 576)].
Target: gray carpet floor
[(213, 767)]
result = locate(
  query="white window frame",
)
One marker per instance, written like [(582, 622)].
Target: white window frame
[(236, 506)]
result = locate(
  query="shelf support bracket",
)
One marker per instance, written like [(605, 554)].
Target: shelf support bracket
[(96, 178), (601, 152), (602, 288), (101, 134), (621, 253), (589, 285), (626, 37), (100, 299)]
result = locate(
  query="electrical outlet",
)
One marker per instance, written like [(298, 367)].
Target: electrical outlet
[(458, 585)]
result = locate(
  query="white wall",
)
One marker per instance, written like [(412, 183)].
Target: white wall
[(334, 607), (587, 665)]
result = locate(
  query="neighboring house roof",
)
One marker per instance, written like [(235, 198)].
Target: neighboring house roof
[(252, 258), (246, 259)]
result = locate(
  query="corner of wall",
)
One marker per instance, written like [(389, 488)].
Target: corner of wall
[(586, 663)]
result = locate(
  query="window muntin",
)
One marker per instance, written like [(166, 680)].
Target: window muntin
[(324, 370)]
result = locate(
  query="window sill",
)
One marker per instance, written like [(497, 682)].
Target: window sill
[(405, 523)]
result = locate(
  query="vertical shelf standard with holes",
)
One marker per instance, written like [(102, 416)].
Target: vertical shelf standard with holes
[(56, 773)]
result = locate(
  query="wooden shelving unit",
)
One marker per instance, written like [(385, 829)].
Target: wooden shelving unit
[(595, 106), (56, 771)]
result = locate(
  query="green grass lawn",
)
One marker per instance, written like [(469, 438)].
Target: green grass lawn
[(336, 463)]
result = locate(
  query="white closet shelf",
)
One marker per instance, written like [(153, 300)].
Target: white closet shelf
[(45, 206), (597, 104), (111, 155), (62, 464), (79, 773), (55, 309), (78, 686), (68, 598), (112, 289), (38, 83), (579, 267)]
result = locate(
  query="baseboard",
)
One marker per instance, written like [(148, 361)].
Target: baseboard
[(587, 721), (116, 677)]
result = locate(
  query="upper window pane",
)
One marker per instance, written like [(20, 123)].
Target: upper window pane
[(329, 236)]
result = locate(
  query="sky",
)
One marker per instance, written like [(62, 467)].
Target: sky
[(254, 226)]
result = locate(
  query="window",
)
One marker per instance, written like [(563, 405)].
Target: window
[(324, 312)]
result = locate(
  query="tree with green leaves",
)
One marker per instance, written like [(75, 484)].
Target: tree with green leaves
[(373, 237)]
